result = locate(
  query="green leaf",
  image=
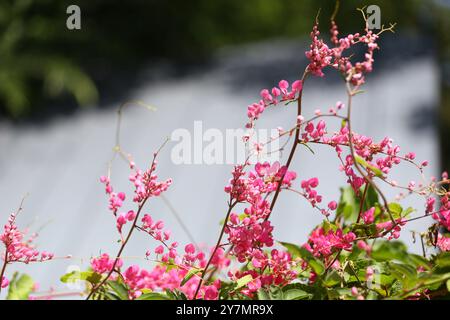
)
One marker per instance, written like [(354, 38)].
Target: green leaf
[(395, 209), (189, 275), (293, 249), (263, 294), (20, 287), (348, 205), (332, 278), (371, 198), (119, 289), (448, 285), (408, 211), (419, 261), (368, 166), (153, 296), (89, 276), (317, 266), (389, 250), (443, 260), (404, 270), (243, 281), (295, 294)]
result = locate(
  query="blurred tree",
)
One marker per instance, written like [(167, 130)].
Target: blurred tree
[(442, 16), (41, 60), (29, 67)]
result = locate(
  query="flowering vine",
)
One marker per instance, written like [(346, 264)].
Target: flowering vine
[(353, 254)]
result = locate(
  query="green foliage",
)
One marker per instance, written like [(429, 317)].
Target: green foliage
[(368, 167), (398, 274), (30, 68), (154, 296), (88, 276), (350, 203), (189, 275), (289, 292), (20, 287)]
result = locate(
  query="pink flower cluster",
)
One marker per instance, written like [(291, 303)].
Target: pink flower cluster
[(321, 55), (146, 186), (18, 248), (314, 133), (443, 215), (383, 155), (155, 229), (251, 233), (311, 194), (323, 243), (104, 263), (4, 282), (280, 264), (168, 274), (443, 242), (273, 97), (393, 230), (160, 278)]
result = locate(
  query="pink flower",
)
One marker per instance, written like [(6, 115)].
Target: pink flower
[(369, 273), (190, 248), (297, 86), (283, 85), (276, 92), (131, 215), (313, 182), (211, 293), (18, 247), (104, 264), (4, 282), (121, 221), (332, 205), (322, 243), (410, 156), (443, 242), (364, 246), (159, 249), (368, 216), (254, 285)]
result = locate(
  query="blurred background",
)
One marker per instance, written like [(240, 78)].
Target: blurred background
[(193, 60)]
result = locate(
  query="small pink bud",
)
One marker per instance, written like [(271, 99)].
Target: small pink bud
[(190, 248), (159, 249), (332, 205)]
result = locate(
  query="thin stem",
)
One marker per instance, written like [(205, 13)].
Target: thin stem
[(294, 146), (423, 247), (2, 273), (219, 240), (333, 261), (122, 247), (352, 152)]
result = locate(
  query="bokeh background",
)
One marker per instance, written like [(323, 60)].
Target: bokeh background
[(193, 60)]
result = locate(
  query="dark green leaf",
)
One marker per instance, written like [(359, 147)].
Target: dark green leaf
[(119, 289), (153, 296)]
